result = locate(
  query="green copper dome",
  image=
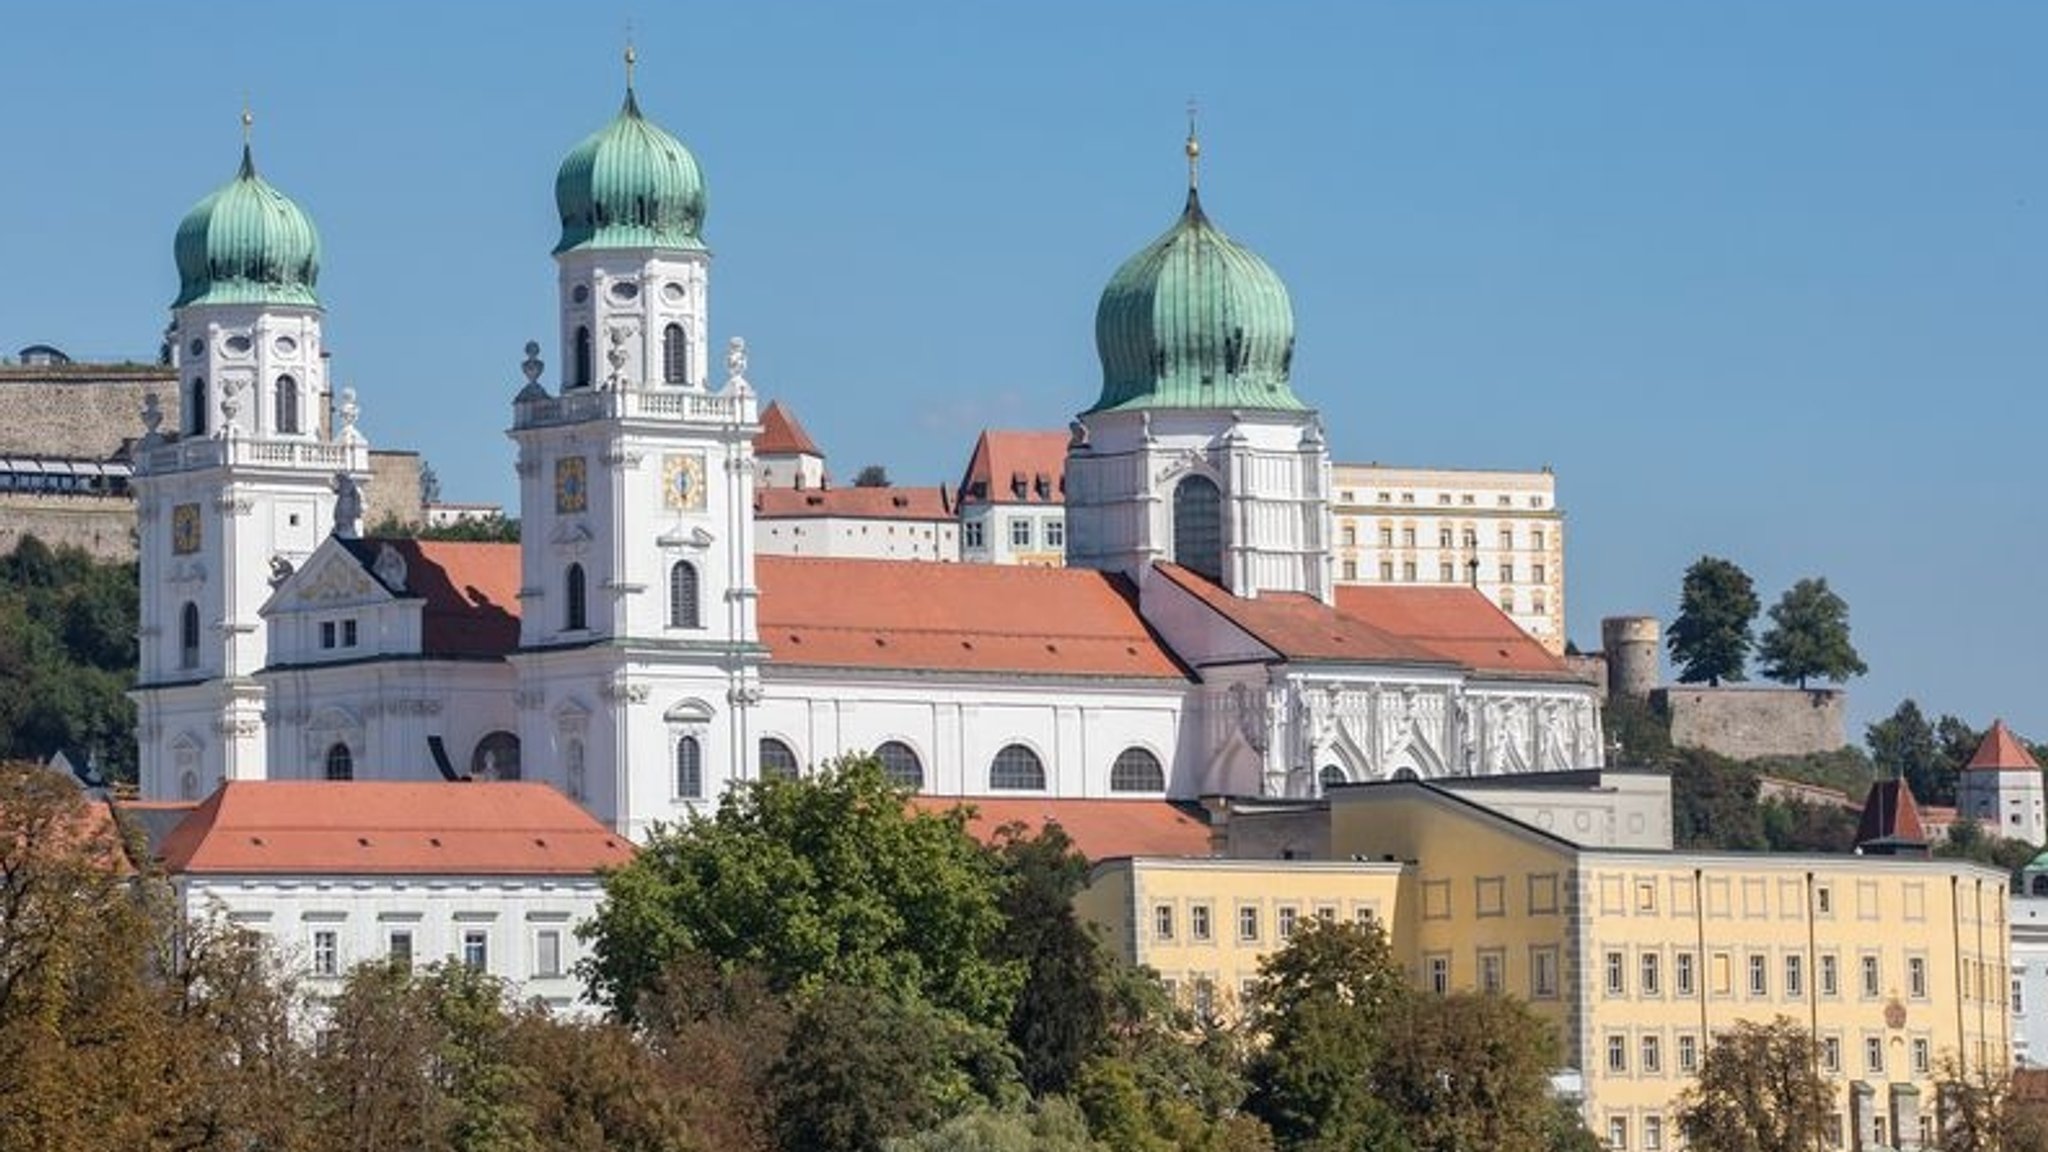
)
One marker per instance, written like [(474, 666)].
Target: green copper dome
[(247, 243), (630, 185), (1196, 320)]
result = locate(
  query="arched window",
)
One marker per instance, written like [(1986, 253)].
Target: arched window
[(778, 762), (1017, 768), (675, 355), (1198, 526), (2040, 886), (496, 757), (340, 765), (689, 768), (682, 596), (285, 417), (900, 764), (1136, 770), (188, 786), (582, 377), (1331, 776), (195, 408), (572, 758), (574, 616), (188, 636)]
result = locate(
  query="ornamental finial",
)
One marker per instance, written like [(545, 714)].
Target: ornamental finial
[(632, 57), (248, 120), (1194, 149)]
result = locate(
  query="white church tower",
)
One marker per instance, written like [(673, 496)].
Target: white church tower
[(1198, 452), (639, 659), (240, 494)]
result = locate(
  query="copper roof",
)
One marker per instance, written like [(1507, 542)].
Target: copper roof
[(362, 826), (1016, 467), (781, 435), (903, 614), (854, 503), (1100, 829), (2001, 751)]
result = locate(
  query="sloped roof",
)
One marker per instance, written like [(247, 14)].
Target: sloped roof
[(1301, 627), (1100, 829), (1459, 623), (891, 614), (781, 435), (1016, 467), (1890, 817), (2001, 751), (471, 591), (412, 828), (853, 503)]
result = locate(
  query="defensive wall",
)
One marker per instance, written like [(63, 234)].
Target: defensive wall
[(1743, 723)]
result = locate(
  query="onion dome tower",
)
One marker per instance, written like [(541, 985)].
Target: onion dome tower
[(1197, 452), (247, 243)]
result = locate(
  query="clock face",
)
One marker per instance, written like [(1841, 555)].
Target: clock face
[(572, 491), (185, 529), (682, 478)]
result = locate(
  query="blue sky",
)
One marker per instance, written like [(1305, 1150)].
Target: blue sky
[(1760, 280)]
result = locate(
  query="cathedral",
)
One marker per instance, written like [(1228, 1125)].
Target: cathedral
[(636, 651)]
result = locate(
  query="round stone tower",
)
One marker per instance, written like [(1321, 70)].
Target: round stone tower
[(1630, 644)]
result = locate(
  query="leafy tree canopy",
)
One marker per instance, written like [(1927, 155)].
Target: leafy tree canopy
[(1710, 639), (68, 648), (1929, 755), (1809, 636), (1759, 1090), (871, 476)]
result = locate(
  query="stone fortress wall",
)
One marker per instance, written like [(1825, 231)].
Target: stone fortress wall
[(1738, 722)]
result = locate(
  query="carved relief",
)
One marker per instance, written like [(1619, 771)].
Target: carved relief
[(340, 578)]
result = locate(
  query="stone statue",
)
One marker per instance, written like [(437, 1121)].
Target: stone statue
[(152, 418), (350, 412), (735, 361), (348, 507), (280, 570)]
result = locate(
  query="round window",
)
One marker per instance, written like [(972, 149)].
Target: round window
[(623, 290), (674, 291), (285, 345), (580, 293)]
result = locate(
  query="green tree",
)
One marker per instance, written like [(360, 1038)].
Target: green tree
[(871, 476), (1714, 803), (1710, 639), (1759, 1090), (1055, 1125), (1930, 756), (1166, 1081), (1469, 1071), (1062, 1010), (1809, 636), (834, 878)]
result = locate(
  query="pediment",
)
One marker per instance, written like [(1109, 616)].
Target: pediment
[(331, 577)]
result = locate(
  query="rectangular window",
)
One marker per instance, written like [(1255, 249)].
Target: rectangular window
[(1830, 975), (1288, 915), (1831, 1053), (327, 633), (1921, 1058), (1492, 973), (2019, 1002), (1795, 976), (1055, 533), (1684, 974), (1543, 974), (1205, 999), (348, 633), (1688, 1053), (1617, 1134), (1724, 974), (1507, 573), (1536, 539), (1386, 537), (547, 953), (1823, 901), (1351, 535), (1443, 537), (1407, 537), (1471, 538), (476, 949), (1020, 533), (1408, 571), (1387, 571), (326, 953), (1759, 976), (1873, 1055), (398, 948), (1871, 980), (1537, 572), (1248, 924), (1650, 974), (1440, 975), (1162, 922), (1507, 539), (1351, 570), (970, 534), (1198, 921), (1447, 572), (1653, 1134), (1617, 1053), (1617, 974), (1652, 1056), (1916, 977)]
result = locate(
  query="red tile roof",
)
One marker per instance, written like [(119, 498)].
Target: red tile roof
[(1023, 467), (1890, 817), (1460, 623), (781, 435), (2001, 751), (1301, 627), (351, 827), (955, 617), (1100, 829), (471, 591), (853, 503)]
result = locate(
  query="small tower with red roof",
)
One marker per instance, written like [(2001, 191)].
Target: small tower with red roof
[(2002, 790)]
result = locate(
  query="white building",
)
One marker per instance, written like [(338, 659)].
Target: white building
[(639, 648), (496, 876), (2001, 789), (1013, 499)]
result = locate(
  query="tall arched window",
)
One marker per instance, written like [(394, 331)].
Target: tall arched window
[(574, 616), (340, 765), (900, 764), (1136, 770), (682, 596), (285, 416), (582, 377), (778, 762), (572, 759), (195, 407), (689, 768), (675, 355), (496, 757), (1017, 768), (1198, 526), (188, 636)]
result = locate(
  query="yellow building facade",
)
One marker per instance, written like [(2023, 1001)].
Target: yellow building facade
[(1640, 956)]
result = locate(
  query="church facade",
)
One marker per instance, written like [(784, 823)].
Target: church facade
[(639, 652)]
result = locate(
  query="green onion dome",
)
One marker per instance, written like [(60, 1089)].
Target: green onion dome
[(1196, 320), (630, 185), (247, 243)]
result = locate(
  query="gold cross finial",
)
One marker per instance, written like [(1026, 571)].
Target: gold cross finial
[(1194, 150)]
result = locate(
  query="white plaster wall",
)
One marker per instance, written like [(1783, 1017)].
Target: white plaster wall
[(2030, 973), (385, 711), (2003, 803), (854, 538), (637, 293)]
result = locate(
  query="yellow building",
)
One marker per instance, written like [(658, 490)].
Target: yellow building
[(1640, 954)]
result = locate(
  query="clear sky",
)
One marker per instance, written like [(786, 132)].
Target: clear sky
[(1763, 280)]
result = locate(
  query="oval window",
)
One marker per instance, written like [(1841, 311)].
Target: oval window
[(239, 345), (623, 290), (285, 345), (674, 291), (198, 347), (580, 293)]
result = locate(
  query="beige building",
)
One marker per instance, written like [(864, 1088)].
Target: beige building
[(1577, 904), (1501, 532)]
